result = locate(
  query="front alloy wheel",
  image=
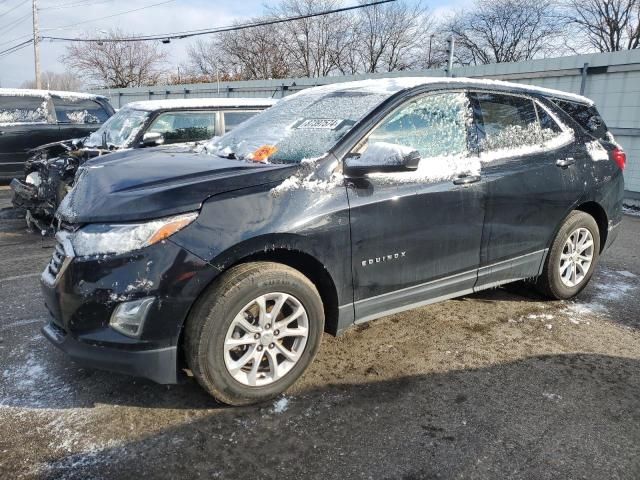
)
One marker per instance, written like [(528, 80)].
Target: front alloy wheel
[(266, 339), (254, 332)]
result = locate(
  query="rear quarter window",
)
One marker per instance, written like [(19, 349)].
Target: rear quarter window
[(79, 111), (586, 116), (233, 119), (23, 109)]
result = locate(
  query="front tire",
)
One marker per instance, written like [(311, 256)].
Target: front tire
[(572, 258), (254, 332)]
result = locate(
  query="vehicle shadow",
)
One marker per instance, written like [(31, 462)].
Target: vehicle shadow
[(556, 416)]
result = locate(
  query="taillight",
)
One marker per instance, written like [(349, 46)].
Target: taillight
[(619, 157)]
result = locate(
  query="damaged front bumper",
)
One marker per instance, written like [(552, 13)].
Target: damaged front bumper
[(82, 294)]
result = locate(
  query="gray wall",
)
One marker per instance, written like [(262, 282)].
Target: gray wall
[(612, 80)]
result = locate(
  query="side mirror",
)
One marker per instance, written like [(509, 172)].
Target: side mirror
[(381, 157), (152, 139)]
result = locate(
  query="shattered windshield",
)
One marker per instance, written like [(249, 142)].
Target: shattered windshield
[(119, 130), (303, 126)]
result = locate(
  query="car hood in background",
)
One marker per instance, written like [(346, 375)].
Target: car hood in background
[(150, 183)]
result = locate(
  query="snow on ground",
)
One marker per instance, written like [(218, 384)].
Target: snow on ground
[(629, 210), (607, 288), (281, 405)]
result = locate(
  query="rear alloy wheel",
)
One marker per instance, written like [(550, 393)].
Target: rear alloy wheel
[(572, 258), (254, 332)]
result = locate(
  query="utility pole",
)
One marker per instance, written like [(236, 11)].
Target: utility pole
[(36, 44), (450, 47)]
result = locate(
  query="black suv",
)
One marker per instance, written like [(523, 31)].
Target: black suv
[(338, 205), (50, 170), (30, 118)]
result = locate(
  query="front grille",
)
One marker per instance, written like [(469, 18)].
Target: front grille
[(62, 253), (57, 260)]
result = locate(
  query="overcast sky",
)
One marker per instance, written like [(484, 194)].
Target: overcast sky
[(75, 17)]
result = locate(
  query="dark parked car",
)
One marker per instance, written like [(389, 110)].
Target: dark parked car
[(338, 205), (50, 171), (30, 118)]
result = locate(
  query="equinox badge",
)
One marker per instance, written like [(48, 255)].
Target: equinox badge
[(384, 258)]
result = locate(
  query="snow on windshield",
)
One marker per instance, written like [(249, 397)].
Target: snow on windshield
[(120, 130), (305, 125)]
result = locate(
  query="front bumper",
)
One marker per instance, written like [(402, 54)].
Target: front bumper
[(158, 364), (81, 295), (25, 195)]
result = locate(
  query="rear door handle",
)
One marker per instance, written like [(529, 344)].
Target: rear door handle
[(467, 179), (565, 162)]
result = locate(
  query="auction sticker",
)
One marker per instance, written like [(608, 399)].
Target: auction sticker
[(320, 123)]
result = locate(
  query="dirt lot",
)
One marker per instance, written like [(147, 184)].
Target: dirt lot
[(495, 385)]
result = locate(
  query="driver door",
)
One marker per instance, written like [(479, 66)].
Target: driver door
[(416, 235)]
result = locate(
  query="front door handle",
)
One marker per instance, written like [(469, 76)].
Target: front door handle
[(565, 162), (467, 179)]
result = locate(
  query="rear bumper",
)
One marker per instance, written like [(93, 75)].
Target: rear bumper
[(158, 365)]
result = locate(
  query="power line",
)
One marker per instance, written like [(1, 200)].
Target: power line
[(14, 23), (15, 48), (194, 33), (108, 16), (12, 9), (77, 3)]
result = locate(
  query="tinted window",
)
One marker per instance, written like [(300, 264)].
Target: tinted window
[(434, 125), (586, 115), (233, 119), (79, 111), (23, 109), (509, 122), (177, 127)]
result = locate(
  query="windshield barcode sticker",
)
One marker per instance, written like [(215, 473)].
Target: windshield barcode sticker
[(322, 123)]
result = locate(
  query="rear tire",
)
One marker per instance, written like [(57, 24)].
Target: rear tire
[(236, 349), (572, 258)]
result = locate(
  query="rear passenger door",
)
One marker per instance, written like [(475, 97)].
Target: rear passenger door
[(529, 168), (77, 118)]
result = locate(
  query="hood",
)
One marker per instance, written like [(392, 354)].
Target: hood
[(150, 183)]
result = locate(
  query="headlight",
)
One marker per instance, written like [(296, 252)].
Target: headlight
[(103, 239), (34, 178)]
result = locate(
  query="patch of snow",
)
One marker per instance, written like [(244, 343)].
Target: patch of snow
[(544, 316), (153, 105), (630, 210), (551, 396), (281, 405), (627, 274), (46, 94), (397, 84), (596, 151)]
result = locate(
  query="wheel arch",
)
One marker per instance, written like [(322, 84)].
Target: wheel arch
[(600, 216)]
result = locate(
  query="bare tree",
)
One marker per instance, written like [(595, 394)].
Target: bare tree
[(496, 31), (608, 25), (56, 81), (314, 44), (116, 64), (392, 36)]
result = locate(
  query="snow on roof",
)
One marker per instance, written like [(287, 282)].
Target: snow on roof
[(27, 92), (396, 84), (151, 105)]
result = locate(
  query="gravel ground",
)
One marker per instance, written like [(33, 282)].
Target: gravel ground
[(500, 384)]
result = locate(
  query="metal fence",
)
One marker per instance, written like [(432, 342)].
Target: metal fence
[(612, 80)]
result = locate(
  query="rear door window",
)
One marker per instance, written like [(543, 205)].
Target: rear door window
[(180, 127), (234, 118), (79, 111), (512, 125), (586, 116), (23, 109)]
